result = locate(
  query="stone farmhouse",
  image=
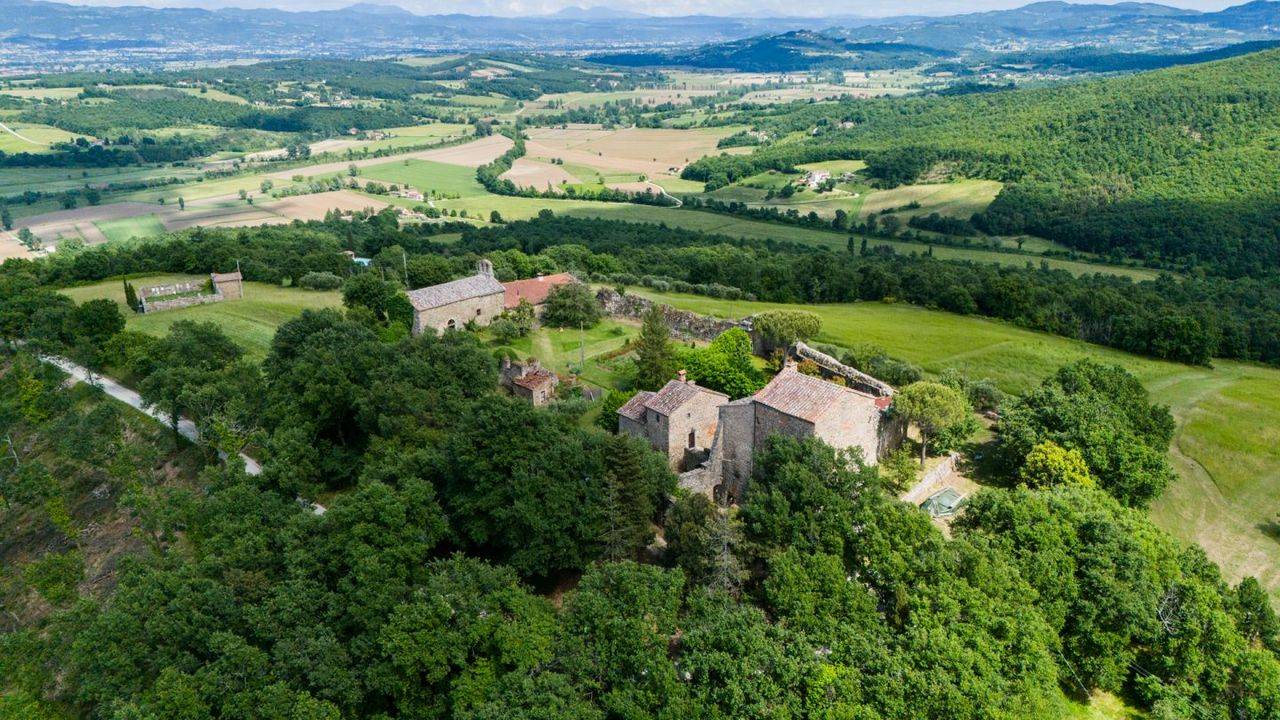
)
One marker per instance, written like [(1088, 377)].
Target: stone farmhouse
[(534, 290), (711, 441), (801, 406), (479, 298), (680, 420), (529, 380)]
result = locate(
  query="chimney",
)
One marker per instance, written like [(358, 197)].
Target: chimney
[(684, 376)]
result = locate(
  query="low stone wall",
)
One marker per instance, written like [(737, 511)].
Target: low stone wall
[(684, 324), (180, 302), (941, 470), (175, 289)]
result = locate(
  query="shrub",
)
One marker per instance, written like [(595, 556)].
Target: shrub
[(320, 281)]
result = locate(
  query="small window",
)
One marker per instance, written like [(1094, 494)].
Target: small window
[(477, 312), (693, 438)]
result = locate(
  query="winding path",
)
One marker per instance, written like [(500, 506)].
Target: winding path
[(19, 135), (186, 428)]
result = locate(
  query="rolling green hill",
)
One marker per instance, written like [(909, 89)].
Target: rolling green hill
[(1175, 164)]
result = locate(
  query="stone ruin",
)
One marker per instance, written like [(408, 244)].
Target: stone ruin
[(684, 324), (158, 298)]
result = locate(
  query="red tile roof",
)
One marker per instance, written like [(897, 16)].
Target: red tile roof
[(675, 394), (535, 379), (806, 397), (634, 408), (534, 290)]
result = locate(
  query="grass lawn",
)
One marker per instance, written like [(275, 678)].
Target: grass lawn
[(558, 349), (959, 199), (26, 137), (251, 322), (426, 175), (1226, 448), (521, 208), (835, 167), (128, 228)]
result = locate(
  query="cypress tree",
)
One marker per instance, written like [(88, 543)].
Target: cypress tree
[(131, 297), (655, 360)]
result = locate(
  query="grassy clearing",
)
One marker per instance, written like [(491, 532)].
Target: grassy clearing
[(960, 199), (835, 167), (128, 228), (18, 137), (42, 93), (1227, 445), (559, 349), (426, 176), (251, 322)]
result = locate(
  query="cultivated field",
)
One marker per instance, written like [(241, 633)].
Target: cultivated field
[(427, 175), (538, 175), (121, 221), (1227, 445), (651, 151), (472, 154)]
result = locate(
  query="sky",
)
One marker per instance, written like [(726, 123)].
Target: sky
[(866, 8)]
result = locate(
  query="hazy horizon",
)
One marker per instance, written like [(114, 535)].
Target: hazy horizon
[(658, 8)]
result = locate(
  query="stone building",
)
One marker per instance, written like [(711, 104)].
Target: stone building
[(534, 290), (680, 420), (229, 285), (451, 305), (529, 380), (800, 406)]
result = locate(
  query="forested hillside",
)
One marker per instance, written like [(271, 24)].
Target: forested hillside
[(1176, 165)]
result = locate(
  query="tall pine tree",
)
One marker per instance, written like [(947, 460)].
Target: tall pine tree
[(655, 360)]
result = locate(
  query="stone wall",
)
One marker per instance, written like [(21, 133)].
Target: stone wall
[(180, 302), (684, 324)]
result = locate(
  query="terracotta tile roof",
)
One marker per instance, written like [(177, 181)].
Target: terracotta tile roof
[(534, 290), (535, 379), (675, 394), (634, 408), (884, 402), (805, 397), (225, 277), (454, 291)]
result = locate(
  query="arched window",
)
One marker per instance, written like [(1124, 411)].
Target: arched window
[(451, 325)]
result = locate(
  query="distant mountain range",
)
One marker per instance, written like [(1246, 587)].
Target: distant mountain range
[(64, 34), (1055, 24), (791, 51), (376, 27), (1096, 37)]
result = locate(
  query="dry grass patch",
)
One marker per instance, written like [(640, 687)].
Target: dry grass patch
[(538, 175)]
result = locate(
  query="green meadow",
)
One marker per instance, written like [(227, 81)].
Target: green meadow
[(128, 228), (427, 175), (1226, 448), (251, 321)]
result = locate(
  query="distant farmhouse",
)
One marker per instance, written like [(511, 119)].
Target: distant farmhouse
[(479, 298), (710, 441)]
